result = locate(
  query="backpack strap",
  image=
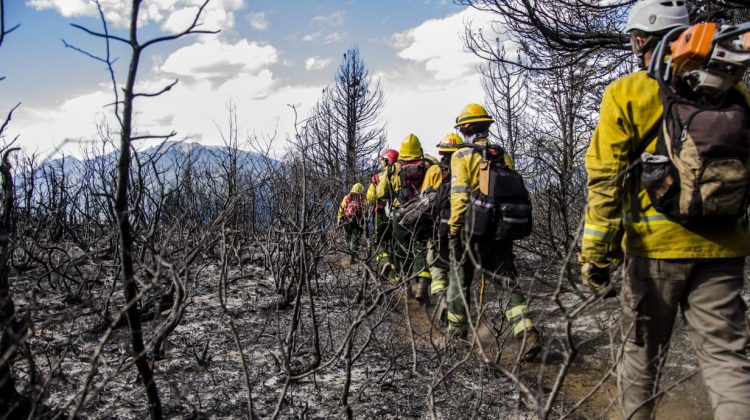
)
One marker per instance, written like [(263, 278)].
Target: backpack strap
[(634, 172)]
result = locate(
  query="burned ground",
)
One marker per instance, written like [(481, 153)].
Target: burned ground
[(401, 366)]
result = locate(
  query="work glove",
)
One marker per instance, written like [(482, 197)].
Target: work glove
[(595, 276)]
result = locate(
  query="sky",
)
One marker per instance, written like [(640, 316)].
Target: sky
[(269, 54)]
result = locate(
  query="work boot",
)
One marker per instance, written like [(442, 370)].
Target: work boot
[(409, 291), (529, 345), (423, 295)]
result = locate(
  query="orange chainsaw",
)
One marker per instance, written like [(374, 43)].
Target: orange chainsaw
[(707, 57)]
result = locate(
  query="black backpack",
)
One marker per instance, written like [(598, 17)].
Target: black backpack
[(501, 208)]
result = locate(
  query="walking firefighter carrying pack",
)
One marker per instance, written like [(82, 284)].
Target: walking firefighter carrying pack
[(500, 208), (699, 173)]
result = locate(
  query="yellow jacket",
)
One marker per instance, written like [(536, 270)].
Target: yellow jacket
[(371, 196), (464, 180), (433, 178), (630, 108)]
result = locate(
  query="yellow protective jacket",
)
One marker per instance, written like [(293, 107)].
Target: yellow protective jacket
[(433, 178), (389, 189), (630, 108), (370, 196), (464, 180)]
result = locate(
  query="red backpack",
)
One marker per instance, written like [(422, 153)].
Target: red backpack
[(412, 175), (353, 207)]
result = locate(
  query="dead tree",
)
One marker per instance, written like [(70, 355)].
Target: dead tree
[(124, 110), (12, 404), (346, 122), (561, 32)]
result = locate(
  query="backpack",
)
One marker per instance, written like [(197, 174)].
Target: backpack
[(353, 207), (411, 175), (700, 172), (501, 208)]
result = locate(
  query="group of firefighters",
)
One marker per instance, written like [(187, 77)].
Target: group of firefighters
[(667, 267), (433, 252)]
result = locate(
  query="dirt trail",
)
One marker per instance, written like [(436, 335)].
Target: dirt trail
[(688, 400)]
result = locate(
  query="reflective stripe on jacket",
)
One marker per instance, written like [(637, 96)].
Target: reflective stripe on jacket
[(630, 108), (464, 180)]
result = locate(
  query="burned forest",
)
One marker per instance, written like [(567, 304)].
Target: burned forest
[(149, 275)]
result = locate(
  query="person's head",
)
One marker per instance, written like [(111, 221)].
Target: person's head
[(649, 20), (448, 145), (388, 157), (357, 188), (474, 122), (411, 148)]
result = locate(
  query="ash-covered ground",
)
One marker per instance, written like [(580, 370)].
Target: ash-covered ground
[(398, 365)]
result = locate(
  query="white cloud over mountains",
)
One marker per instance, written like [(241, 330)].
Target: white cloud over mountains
[(428, 81)]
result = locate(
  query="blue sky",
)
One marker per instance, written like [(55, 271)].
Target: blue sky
[(268, 54)]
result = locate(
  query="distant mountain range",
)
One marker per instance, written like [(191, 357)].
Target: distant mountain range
[(167, 159)]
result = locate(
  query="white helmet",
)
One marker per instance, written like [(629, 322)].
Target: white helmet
[(654, 16)]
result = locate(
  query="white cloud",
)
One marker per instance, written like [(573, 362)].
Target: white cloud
[(437, 78), (312, 37), (219, 60), (193, 111), (258, 21), (334, 37), (317, 63), (334, 19), (438, 43), (172, 15)]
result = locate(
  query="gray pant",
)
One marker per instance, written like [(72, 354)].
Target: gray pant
[(708, 293)]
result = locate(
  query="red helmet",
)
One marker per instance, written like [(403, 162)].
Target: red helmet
[(390, 155)]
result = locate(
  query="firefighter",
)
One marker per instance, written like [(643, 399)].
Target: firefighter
[(493, 256), (437, 182), (381, 221), (351, 216), (666, 266), (403, 184)]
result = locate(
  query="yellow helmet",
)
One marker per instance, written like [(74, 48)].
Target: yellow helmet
[(432, 159), (472, 113), (358, 188), (449, 143), (411, 148)]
